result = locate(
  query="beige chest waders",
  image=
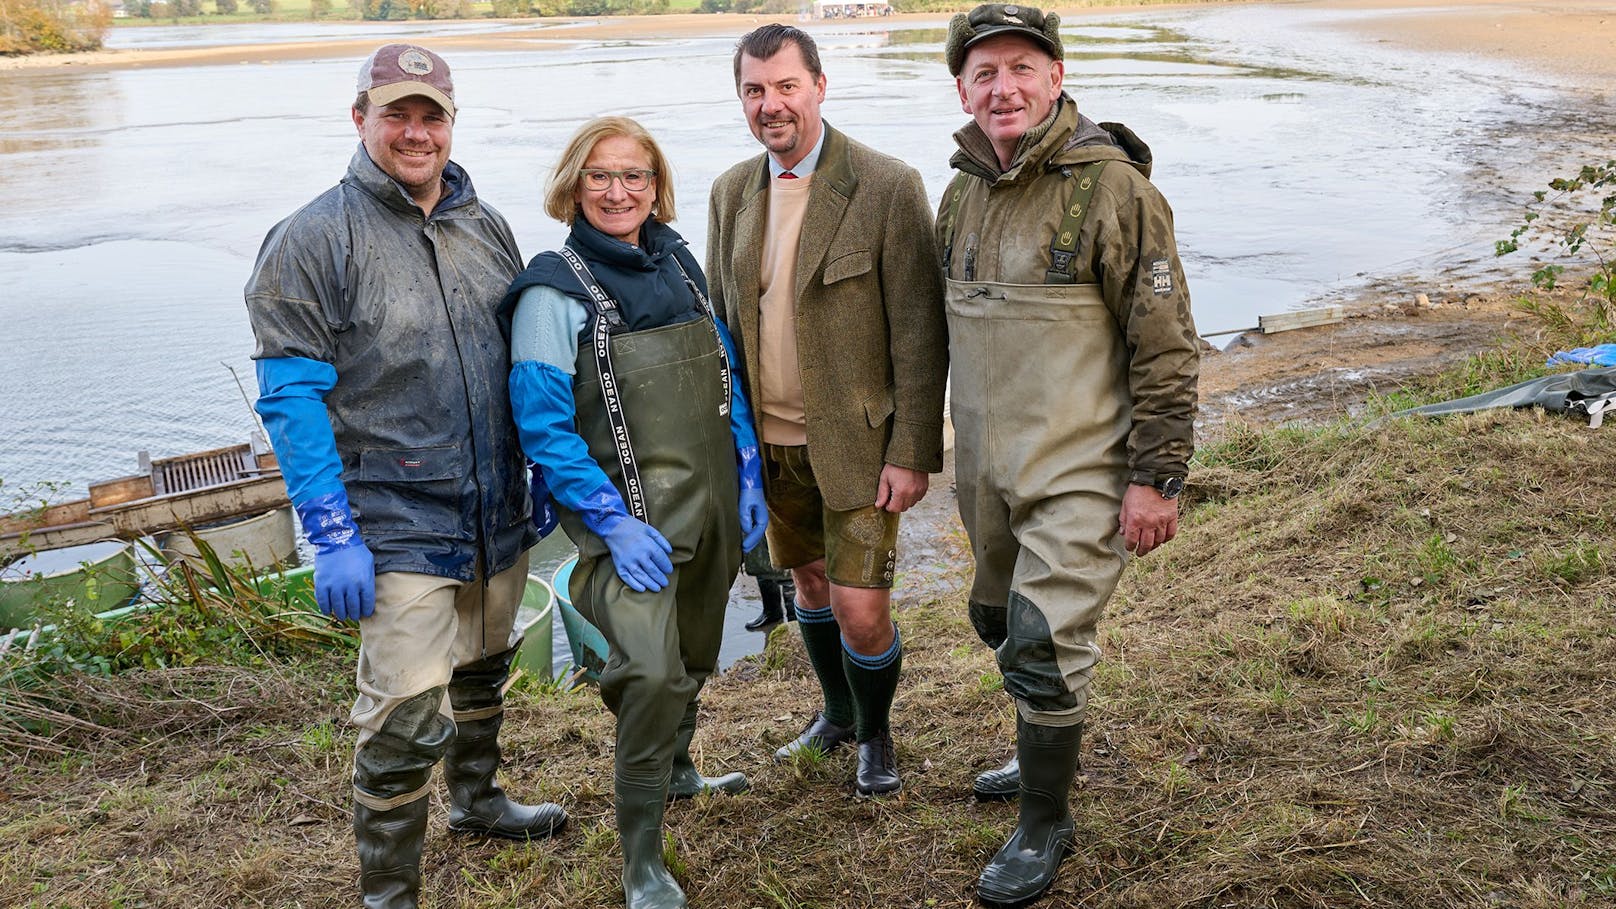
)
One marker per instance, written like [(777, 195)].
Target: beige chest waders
[(672, 402), (1040, 404)]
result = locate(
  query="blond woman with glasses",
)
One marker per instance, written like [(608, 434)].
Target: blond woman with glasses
[(625, 399)]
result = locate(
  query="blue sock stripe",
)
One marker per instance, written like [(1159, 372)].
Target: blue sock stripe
[(815, 616), (881, 660)]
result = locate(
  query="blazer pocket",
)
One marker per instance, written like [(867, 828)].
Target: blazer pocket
[(879, 406), (406, 465), (854, 263)]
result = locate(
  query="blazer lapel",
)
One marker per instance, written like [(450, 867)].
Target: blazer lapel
[(834, 181), (746, 260)]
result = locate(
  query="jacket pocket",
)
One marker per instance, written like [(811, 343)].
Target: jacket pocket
[(850, 265), (879, 406), (407, 465)]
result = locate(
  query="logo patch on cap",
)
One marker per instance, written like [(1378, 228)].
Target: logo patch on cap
[(415, 63)]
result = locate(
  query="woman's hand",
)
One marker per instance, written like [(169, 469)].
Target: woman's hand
[(754, 518), (641, 555)]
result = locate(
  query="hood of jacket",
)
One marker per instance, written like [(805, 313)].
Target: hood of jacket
[(1065, 138), (646, 281), (459, 199)]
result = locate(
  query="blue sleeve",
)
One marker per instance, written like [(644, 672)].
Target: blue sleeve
[(740, 418), (545, 328), (291, 400), (546, 414)]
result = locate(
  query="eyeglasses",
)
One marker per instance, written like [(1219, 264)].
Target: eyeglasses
[(634, 180)]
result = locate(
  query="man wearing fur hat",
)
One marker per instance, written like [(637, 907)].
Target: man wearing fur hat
[(1074, 364)]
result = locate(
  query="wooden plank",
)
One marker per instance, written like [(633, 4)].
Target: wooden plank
[(1307, 318), (123, 489), (136, 519), (74, 512)]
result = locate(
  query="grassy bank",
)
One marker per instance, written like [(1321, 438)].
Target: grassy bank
[(1374, 670)]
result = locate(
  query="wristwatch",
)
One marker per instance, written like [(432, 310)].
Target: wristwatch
[(1169, 487)]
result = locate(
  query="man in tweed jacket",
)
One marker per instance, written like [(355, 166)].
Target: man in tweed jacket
[(820, 263)]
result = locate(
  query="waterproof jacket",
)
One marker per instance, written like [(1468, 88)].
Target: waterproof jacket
[(872, 338), (404, 307), (1005, 222)]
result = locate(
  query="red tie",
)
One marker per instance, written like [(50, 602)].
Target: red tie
[(787, 175)]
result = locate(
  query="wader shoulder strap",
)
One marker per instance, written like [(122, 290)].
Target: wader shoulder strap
[(1063, 248), (712, 320), (951, 207), (607, 312)]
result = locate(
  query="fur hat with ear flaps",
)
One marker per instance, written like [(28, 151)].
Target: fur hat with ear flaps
[(990, 19)]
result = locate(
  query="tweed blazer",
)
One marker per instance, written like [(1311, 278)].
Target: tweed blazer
[(872, 335)]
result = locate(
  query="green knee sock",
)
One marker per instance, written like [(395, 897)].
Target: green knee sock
[(874, 682), (822, 638)]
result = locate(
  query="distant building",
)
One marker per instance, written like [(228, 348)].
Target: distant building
[(117, 8), (839, 9)]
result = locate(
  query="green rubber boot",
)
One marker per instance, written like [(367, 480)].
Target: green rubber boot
[(1000, 782), (391, 782), (390, 844), (647, 884), (687, 781), (478, 804), (1025, 866)]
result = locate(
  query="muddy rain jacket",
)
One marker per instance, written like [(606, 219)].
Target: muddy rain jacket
[(403, 308)]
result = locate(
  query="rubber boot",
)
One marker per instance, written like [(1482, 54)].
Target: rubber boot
[(1000, 782), (390, 844), (1025, 866), (773, 608), (477, 803), (686, 781), (392, 770), (647, 884), (788, 598)]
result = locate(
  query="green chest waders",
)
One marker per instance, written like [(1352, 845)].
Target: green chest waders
[(664, 644), (1040, 403)]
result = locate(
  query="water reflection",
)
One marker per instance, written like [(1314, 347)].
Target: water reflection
[(136, 199), (53, 114)]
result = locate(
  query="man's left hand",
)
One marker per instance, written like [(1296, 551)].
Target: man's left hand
[(1148, 520), (900, 488)]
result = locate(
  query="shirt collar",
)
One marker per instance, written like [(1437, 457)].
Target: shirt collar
[(806, 166)]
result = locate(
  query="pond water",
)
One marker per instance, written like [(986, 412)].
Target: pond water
[(1300, 163)]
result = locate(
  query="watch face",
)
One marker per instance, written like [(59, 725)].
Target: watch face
[(1170, 487)]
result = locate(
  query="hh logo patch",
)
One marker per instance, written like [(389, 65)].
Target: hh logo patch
[(1161, 277)]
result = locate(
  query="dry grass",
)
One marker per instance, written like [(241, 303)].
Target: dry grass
[(1374, 670)]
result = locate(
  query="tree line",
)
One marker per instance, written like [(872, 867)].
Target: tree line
[(29, 26)]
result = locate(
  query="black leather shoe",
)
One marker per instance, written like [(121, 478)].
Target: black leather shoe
[(878, 766), (821, 734)]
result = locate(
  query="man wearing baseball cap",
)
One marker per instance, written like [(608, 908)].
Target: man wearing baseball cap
[(382, 372), (1074, 364)]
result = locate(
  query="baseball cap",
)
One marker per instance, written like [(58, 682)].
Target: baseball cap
[(397, 71), (990, 19)]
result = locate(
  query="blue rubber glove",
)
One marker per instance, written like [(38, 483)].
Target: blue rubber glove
[(641, 554), (344, 571), (544, 512), (754, 518), (754, 513)]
